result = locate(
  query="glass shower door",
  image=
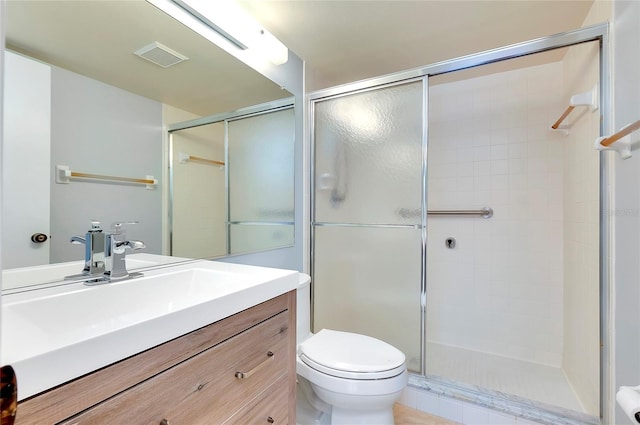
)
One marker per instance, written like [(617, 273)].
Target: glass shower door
[(368, 215)]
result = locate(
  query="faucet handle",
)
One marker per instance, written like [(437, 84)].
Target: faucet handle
[(117, 226)]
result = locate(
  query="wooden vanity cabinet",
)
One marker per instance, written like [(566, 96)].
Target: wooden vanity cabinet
[(240, 370)]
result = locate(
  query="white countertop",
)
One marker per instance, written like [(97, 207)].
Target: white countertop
[(16, 279), (56, 334)]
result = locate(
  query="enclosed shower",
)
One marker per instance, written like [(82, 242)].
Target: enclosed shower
[(450, 220)]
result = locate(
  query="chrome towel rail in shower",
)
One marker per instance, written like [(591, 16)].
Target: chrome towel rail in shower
[(484, 212)]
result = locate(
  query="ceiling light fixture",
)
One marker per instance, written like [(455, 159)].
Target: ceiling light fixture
[(228, 20)]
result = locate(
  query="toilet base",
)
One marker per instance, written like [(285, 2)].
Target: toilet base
[(309, 409), (347, 409), (350, 402), (312, 411)]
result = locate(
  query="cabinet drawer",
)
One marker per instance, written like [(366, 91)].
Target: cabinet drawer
[(270, 407), (204, 389)]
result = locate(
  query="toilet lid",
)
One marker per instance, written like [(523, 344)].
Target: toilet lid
[(353, 356)]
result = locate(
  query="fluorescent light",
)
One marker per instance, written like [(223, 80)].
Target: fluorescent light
[(230, 21), (189, 7)]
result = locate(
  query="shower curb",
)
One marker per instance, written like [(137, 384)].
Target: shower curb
[(504, 403)]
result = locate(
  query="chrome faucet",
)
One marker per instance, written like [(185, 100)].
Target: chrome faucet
[(93, 242), (115, 247)]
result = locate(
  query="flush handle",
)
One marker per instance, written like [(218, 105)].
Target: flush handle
[(245, 375)]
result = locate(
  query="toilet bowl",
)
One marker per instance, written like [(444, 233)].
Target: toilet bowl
[(344, 378)]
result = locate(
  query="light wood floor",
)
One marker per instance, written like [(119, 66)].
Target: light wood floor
[(404, 415)]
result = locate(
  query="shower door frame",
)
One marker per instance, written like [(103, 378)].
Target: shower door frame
[(598, 33)]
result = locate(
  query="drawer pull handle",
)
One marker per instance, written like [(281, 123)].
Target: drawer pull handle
[(164, 422), (270, 420), (244, 375)]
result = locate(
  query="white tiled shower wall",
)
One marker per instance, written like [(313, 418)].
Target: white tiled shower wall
[(500, 290)]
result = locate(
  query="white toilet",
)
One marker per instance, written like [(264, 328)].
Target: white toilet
[(344, 378)]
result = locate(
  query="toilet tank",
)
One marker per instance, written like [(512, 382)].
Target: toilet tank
[(303, 308)]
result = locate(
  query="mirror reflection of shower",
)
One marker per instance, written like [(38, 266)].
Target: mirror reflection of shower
[(232, 183)]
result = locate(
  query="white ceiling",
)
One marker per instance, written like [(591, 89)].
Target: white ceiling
[(350, 40)]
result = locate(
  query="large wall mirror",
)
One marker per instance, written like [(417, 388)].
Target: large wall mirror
[(79, 100)]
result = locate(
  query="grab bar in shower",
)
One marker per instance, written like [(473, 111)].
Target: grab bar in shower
[(484, 212)]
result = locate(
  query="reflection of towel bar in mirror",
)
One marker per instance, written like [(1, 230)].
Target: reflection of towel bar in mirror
[(184, 157), (64, 174)]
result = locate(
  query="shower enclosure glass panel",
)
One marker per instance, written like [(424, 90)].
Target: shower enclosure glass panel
[(260, 166), (367, 240), (368, 157), (357, 288)]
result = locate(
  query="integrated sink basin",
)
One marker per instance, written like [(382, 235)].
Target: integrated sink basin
[(109, 307), (55, 334), (28, 276)]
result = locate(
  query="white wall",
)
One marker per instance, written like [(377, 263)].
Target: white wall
[(500, 290), (626, 212)]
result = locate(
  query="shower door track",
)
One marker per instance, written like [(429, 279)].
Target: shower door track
[(598, 33)]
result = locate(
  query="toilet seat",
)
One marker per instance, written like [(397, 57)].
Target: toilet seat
[(351, 356)]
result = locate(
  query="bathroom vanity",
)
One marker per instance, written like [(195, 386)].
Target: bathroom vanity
[(234, 365)]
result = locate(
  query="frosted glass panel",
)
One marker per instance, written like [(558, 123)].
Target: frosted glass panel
[(368, 156), (261, 164), (258, 237), (367, 280), (198, 207)]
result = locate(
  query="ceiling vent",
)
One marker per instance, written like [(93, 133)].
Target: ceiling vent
[(160, 55)]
